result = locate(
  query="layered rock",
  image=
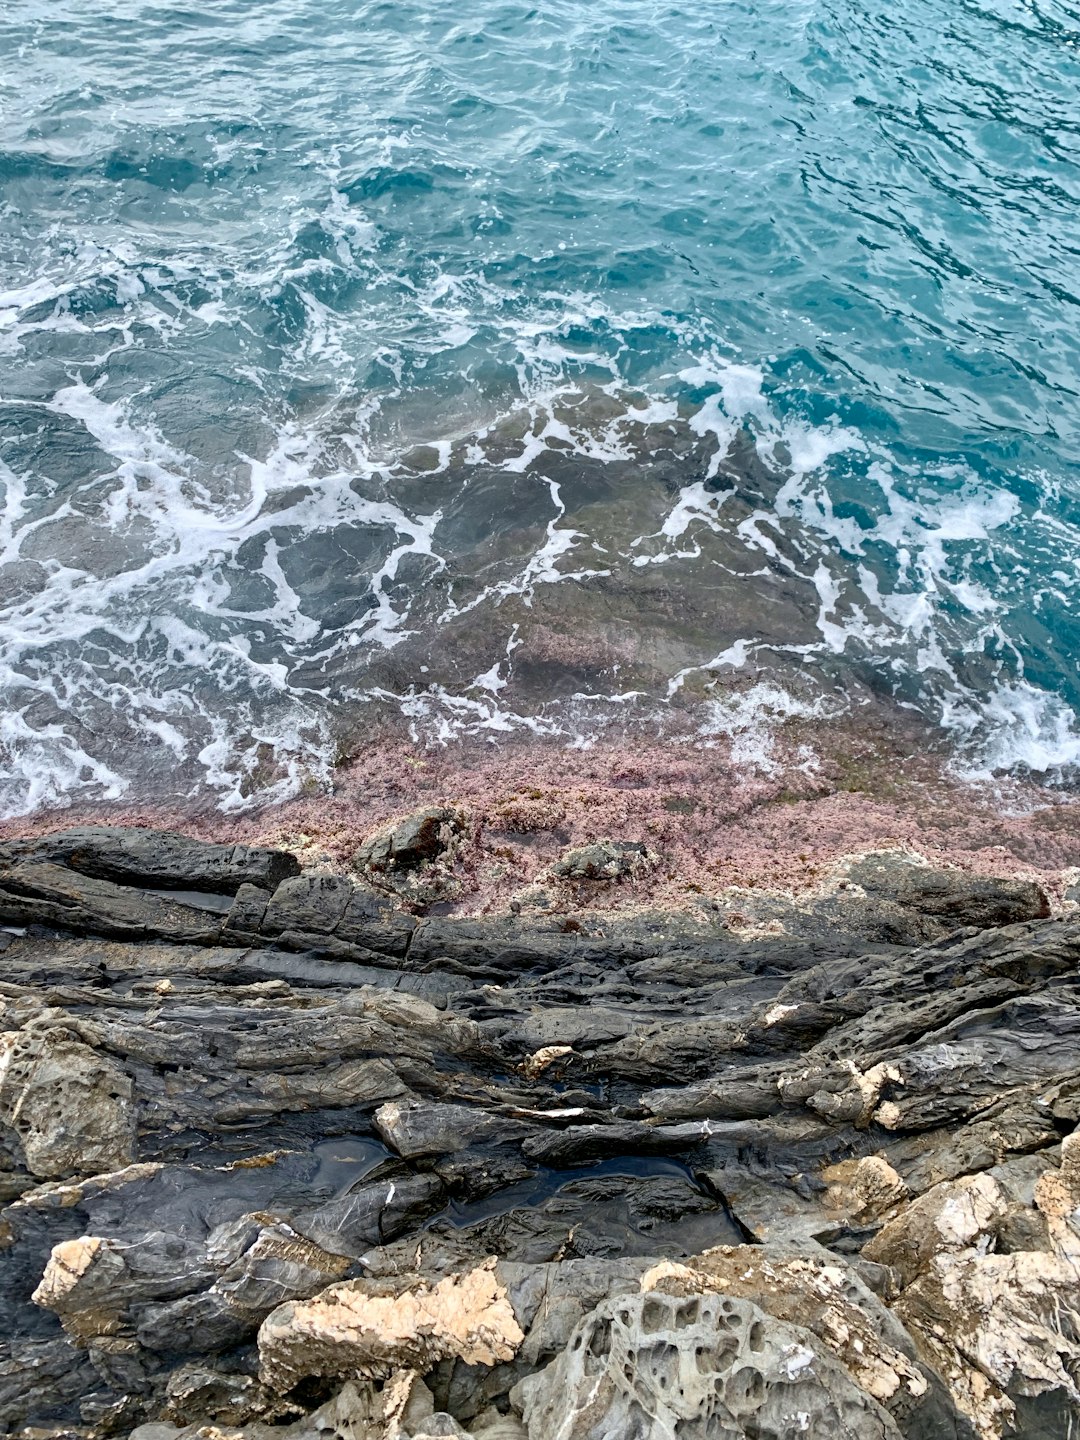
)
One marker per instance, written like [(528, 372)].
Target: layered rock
[(280, 1158)]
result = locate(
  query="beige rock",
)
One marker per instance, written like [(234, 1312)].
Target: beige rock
[(67, 1289), (72, 1108), (951, 1217), (864, 1190), (839, 1091), (994, 1323), (373, 1328), (1057, 1195), (536, 1063), (661, 1366)]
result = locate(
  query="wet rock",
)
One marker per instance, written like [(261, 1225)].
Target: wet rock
[(371, 1213), (36, 892), (581, 1143), (72, 1108), (414, 858), (894, 898), (333, 1094), (413, 1128), (376, 1327)]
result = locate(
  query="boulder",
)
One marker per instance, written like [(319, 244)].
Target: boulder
[(38, 892), (604, 861), (820, 1293), (413, 1128), (72, 1108), (373, 1328), (418, 839), (699, 1367), (953, 898), (949, 1218)]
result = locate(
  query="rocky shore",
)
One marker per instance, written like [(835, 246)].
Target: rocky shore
[(290, 1151)]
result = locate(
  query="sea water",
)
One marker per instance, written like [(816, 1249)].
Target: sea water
[(531, 368)]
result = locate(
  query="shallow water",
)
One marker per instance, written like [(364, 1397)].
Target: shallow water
[(548, 368)]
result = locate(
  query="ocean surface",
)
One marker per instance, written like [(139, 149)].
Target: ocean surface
[(531, 368)]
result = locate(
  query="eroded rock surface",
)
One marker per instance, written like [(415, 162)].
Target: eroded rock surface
[(282, 1158)]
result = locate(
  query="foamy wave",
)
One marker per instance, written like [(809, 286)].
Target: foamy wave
[(222, 618)]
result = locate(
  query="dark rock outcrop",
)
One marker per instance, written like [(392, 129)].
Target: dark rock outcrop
[(273, 1153)]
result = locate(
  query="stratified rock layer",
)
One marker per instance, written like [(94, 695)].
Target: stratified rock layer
[(280, 1159)]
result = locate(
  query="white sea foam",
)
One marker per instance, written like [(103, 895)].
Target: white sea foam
[(202, 632)]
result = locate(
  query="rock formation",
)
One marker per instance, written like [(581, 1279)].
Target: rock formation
[(280, 1157)]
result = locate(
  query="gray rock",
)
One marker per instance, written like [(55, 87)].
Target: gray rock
[(953, 897), (38, 892), (321, 1089), (700, 1367), (414, 1128), (604, 861), (372, 1213), (155, 858), (72, 1108)]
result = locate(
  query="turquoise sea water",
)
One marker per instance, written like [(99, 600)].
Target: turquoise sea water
[(531, 367)]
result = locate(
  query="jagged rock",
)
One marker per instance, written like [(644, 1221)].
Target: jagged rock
[(948, 1218), (72, 1108), (421, 837), (91, 1281), (40, 1376), (894, 898), (310, 911), (864, 1191), (414, 858), (605, 860), (376, 1327), (580, 1143), (1001, 1328), (372, 1212), (695, 1367), (822, 1295), (196, 1393), (39, 892), (328, 1088)]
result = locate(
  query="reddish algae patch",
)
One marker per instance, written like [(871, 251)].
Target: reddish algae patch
[(711, 824)]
